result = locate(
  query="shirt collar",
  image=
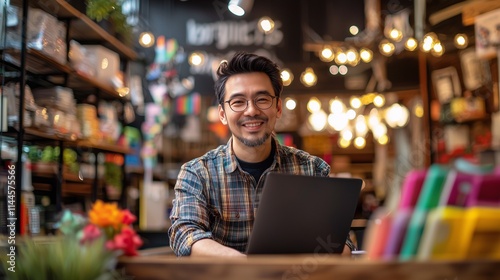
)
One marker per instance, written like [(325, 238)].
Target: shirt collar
[(231, 163)]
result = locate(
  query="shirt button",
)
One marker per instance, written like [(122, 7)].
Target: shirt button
[(237, 215)]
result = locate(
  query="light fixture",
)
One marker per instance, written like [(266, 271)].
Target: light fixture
[(379, 100), (240, 7), (352, 56), (386, 48), (354, 30), (359, 142), (334, 69), (313, 105), (428, 42), (366, 55), (395, 35), (146, 39), (290, 103), (266, 25), (338, 121), (461, 41), (336, 106), (308, 77), (327, 54), (340, 57), (318, 120), (196, 59), (355, 102), (286, 76), (411, 44), (437, 50), (343, 69)]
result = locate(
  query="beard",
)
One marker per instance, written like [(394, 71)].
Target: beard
[(254, 143)]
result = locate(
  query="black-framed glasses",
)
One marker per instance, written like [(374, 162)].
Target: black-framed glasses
[(240, 104)]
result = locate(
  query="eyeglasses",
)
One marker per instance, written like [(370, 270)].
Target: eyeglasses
[(240, 104)]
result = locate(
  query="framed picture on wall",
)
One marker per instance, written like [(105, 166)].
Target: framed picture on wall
[(475, 72), (487, 34), (446, 84)]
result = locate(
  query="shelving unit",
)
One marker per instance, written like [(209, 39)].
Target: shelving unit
[(33, 66)]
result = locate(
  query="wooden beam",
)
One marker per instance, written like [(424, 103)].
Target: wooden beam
[(449, 12), (475, 8)]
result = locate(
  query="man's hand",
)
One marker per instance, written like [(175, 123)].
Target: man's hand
[(209, 247)]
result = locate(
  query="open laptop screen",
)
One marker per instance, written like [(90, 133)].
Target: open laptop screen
[(304, 214)]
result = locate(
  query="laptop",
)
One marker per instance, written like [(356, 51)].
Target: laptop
[(301, 214)]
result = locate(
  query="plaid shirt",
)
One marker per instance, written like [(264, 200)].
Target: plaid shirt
[(216, 199)]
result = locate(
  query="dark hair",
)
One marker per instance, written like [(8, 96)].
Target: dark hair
[(243, 62)]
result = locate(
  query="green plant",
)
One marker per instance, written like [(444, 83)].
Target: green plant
[(111, 10)]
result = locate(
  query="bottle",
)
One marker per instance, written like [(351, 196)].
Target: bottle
[(28, 217)]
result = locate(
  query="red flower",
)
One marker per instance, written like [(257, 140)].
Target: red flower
[(127, 240), (128, 217), (90, 232)]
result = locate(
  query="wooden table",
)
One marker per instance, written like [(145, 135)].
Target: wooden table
[(311, 267)]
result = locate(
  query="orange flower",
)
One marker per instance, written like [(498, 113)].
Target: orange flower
[(106, 214)]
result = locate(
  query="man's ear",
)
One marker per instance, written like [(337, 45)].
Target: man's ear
[(222, 115), (279, 107)]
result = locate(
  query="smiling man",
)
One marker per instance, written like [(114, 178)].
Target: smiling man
[(217, 194)]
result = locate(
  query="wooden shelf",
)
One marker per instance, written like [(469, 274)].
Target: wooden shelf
[(83, 29), (40, 64)]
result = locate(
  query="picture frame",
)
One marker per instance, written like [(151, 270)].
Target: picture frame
[(487, 34), (446, 84), (475, 72)]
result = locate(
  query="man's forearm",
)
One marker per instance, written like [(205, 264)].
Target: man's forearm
[(209, 247)]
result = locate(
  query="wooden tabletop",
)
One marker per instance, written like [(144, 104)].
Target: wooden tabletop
[(164, 265)]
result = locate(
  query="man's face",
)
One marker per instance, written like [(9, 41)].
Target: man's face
[(252, 126)]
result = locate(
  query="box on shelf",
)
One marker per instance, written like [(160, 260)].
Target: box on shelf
[(105, 61), (45, 33)]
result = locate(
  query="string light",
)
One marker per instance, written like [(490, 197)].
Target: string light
[(286, 76), (308, 77), (461, 41)]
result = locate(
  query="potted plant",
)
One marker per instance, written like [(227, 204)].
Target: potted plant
[(110, 10)]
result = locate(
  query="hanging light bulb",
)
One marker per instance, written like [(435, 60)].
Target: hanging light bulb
[(353, 30), (461, 41), (337, 106), (313, 105), (290, 103), (382, 140), (359, 142), (146, 39), (386, 48), (308, 77), (395, 35), (344, 143), (327, 54), (352, 56), (379, 100), (340, 57), (334, 69), (338, 121), (286, 76), (240, 7), (266, 25), (196, 59), (428, 41), (360, 126), (411, 44), (318, 120), (346, 134), (366, 55), (437, 50), (355, 102), (351, 114)]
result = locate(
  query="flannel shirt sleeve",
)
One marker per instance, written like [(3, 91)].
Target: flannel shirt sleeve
[(189, 216)]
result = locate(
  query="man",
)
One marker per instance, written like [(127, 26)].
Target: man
[(217, 194)]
